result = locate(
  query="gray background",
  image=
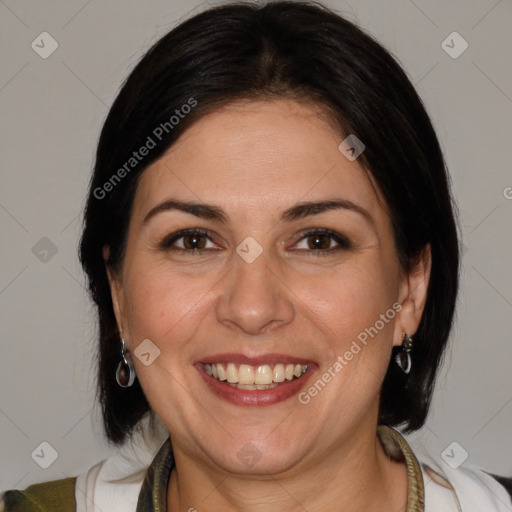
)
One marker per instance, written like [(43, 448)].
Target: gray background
[(52, 111)]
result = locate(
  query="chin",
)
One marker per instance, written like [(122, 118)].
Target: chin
[(257, 454)]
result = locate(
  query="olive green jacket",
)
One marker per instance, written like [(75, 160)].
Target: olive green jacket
[(56, 496), (59, 495)]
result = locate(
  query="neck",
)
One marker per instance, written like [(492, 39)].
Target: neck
[(353, 477)]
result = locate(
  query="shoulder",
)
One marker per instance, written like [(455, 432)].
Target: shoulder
[(506, 482), (54, 496), (466, 487)]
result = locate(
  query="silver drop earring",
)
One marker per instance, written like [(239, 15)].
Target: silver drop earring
[(403, 358), (125, 372)]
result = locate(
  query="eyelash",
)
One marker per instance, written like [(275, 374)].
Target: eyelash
[(342, 241)]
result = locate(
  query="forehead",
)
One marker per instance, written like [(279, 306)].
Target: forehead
[(254, 155)]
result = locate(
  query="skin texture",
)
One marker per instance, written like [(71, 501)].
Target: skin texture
[(255, 160)]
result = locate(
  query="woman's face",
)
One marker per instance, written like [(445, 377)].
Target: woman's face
[(262, 279)]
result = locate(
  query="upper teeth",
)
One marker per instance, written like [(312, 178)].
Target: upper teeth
[(247, 374)]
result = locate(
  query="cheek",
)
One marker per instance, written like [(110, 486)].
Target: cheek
[(162, 303), (356, 350), (166, 308), (351, 298)]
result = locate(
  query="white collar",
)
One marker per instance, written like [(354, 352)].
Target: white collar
[(113, 485)]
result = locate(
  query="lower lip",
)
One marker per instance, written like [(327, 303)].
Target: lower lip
[(256, 397)]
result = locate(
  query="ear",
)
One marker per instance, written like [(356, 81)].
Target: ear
[(116, 291), (413, 296)]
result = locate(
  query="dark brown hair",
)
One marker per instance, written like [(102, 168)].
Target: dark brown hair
[(283, 49)]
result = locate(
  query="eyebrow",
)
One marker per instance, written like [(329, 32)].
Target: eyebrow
[(298, 211)]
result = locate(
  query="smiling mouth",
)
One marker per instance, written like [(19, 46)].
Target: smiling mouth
[(248, 377)]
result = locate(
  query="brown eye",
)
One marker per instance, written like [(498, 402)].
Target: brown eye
[(320, 241), (189, 240), (194, 241)]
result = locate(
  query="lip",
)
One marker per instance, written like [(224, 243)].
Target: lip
[(256, 397)]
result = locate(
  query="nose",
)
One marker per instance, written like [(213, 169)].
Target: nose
[(254, 298)]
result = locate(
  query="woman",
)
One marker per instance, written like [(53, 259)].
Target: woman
[(271, 245)]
